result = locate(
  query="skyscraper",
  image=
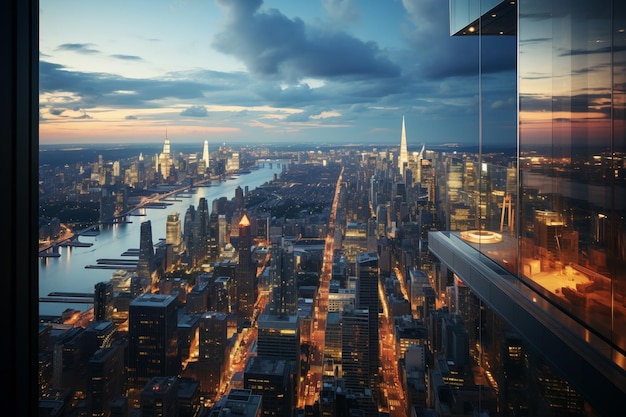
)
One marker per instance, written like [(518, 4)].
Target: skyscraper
[(549, 275), (205, 154), (103, 301), (173, 232), (284, 292), (165, 159), (403, 158), (202, 228), (367, 300), (153, 338), (279, 338), (212, 350), (356, 352), (145, 263), (188, 233), (246, 270)]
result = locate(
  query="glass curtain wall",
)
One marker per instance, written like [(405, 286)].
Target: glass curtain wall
[(571, 157)]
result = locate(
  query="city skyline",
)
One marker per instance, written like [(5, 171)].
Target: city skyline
[(520, 302), (261, 72)]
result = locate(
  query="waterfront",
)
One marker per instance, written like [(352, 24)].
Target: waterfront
[(70, 272)]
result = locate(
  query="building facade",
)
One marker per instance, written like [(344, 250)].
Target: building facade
[(547, 251)]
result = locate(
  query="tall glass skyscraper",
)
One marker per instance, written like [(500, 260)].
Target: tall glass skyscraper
[(246, 270), (547, 253), (367, 300), (145, 263), (153, 338)]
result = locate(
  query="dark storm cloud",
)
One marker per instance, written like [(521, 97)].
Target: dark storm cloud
[(269, 43), (195, 111), (81, 48)]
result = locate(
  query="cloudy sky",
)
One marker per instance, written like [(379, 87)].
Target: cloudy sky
[(273, 71)]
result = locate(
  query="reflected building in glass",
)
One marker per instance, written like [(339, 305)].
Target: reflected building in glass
[(546, 253)]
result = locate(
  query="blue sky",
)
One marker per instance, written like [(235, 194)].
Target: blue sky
[(252, 71)]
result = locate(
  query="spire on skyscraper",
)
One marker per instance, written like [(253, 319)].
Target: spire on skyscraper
[(166, 145), (403, 158)]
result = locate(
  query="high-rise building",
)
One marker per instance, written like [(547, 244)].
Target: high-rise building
[(273, 379), (241, 402), (106, 378), (279, 337), (153, 338), (246, 271), (222, 295), (103, 301), (164, 159), (160, 397), (239, 198), (403, 157), (173, 232), (284, 291), (205, 157), (145, 263), (213, 244), (367, 300), (355, 348), (212, 350), (555, 275), (202, 227), (188, 234)]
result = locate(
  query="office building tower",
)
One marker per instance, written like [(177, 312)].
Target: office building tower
[(279, 338), (202, 228), (241, 402), (205, 158), (213, 244), (222, 232), (189, 238), (246, 271), (273, 379), (197, 299), (223, 295), (333, 339), (284, 291), (145, 263), (232, 162), (164, 160), (382, 218), (418, 280), (173, 231), (98, 334), (213, 351), (367, 272), (103, 301), (106, 377), (187, 332), (355, 349), (561, 292), (159, 398), (153, 338), (403, 157), (239, 201)]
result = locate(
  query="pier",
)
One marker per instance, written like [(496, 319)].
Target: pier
[(68, 297)]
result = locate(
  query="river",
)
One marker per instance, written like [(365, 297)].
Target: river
[(67, 273)]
